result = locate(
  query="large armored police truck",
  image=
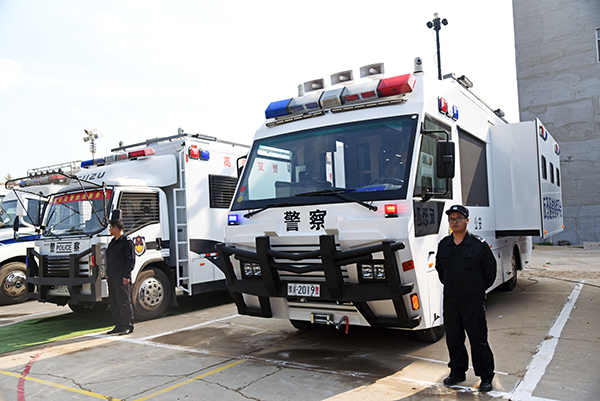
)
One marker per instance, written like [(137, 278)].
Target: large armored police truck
[(338, 213), (13, 252), (173, 194)]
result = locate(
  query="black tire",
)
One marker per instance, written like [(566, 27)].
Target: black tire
[(431, 335), (91, 308), (302, 325), (13, 285), (512, 282), (150, 295)]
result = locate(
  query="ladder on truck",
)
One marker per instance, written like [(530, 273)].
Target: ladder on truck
[(181, 230)]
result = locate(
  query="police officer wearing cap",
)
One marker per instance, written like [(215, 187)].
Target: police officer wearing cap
[(467, 268)]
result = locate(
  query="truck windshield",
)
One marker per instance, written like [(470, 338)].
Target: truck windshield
[(76, 213), (368, 159)]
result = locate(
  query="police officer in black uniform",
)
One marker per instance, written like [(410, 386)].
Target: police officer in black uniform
[(120, 261), (467, 267)]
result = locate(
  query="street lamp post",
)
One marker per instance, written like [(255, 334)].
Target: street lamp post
[(91, 136), (436, 24)]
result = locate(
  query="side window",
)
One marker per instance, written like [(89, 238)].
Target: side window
[(138, 210), (221, 190), (427, 163), (551, 173), (473, 170), (557, 177), (544, 169), (35, 209), (598, 45)]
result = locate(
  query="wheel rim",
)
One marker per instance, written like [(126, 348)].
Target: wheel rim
[(14, 284), (151, 293)]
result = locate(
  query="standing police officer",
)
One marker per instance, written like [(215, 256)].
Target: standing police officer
[(120, 262), (467, 267)]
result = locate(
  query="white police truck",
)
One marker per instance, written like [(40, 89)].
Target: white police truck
[(13, 251), (13, 288), (173, 194), (340, 207)]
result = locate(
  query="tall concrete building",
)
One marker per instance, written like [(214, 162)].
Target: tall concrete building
[(558, 73)]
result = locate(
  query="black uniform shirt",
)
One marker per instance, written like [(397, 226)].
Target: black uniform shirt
[(120, 258), (466, 269)]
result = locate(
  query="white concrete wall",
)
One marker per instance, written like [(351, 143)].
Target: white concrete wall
[(558, 78)]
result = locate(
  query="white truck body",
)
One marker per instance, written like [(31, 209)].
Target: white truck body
[(12, 252), (173, 194), (340, 207)]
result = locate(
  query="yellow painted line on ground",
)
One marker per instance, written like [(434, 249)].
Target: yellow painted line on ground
[(183, 383), (60, 386)]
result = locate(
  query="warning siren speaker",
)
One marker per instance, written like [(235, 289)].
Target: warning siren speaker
[(373, 71), (342, 78), (314, 85)]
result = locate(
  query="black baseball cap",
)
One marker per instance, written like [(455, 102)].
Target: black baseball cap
[(458, 208)]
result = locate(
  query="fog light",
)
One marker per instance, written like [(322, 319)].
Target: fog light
[(251, 269), (367, 271), (379, 271)]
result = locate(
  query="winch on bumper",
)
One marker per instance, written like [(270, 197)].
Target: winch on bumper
[(44, 273), (334, 289)]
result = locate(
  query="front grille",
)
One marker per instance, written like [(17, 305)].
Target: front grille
[(316, 275), (58, 266)]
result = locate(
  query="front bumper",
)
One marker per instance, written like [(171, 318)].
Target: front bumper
[(38, 284), (334, 290)]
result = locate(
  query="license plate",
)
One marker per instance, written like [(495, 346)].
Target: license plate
[(304, 290), (63, 289)]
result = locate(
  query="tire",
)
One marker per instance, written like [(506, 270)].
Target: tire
[(150, 295), (13, 285), (91, 308), (431, 335), (512, 282), (302, 325)]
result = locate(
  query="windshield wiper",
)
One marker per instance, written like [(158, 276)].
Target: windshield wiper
[(339, 194), (252, 213)]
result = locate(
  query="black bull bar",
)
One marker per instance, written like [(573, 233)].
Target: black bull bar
[(334, 290)]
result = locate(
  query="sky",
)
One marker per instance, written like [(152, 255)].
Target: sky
[(140, 69)]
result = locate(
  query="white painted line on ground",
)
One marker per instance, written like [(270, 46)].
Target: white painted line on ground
[(540, 361), (166, 333)]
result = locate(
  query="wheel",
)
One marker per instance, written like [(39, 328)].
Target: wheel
[(431, 335), (512, 282), (302, 325), (91, 308), (13, 288), (150, 295)]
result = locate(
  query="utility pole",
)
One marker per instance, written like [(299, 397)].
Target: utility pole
[(436, 24)]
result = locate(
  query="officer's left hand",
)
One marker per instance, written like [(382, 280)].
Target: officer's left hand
[(125, 281)]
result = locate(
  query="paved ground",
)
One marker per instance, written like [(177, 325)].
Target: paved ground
[(545, 335)]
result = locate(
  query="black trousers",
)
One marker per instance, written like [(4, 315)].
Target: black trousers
[(470, 318), (119, 297)]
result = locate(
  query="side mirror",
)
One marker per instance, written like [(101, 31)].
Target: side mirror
[(16, 228), (21, 207), (445, 159), (241, 162)]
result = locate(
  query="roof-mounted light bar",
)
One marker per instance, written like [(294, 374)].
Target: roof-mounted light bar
[(118, 157), (308, 105)]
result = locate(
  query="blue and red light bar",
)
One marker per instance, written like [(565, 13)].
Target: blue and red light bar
[(118, 157), (359, 93)]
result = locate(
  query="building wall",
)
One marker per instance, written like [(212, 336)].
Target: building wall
[(558, 76)]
